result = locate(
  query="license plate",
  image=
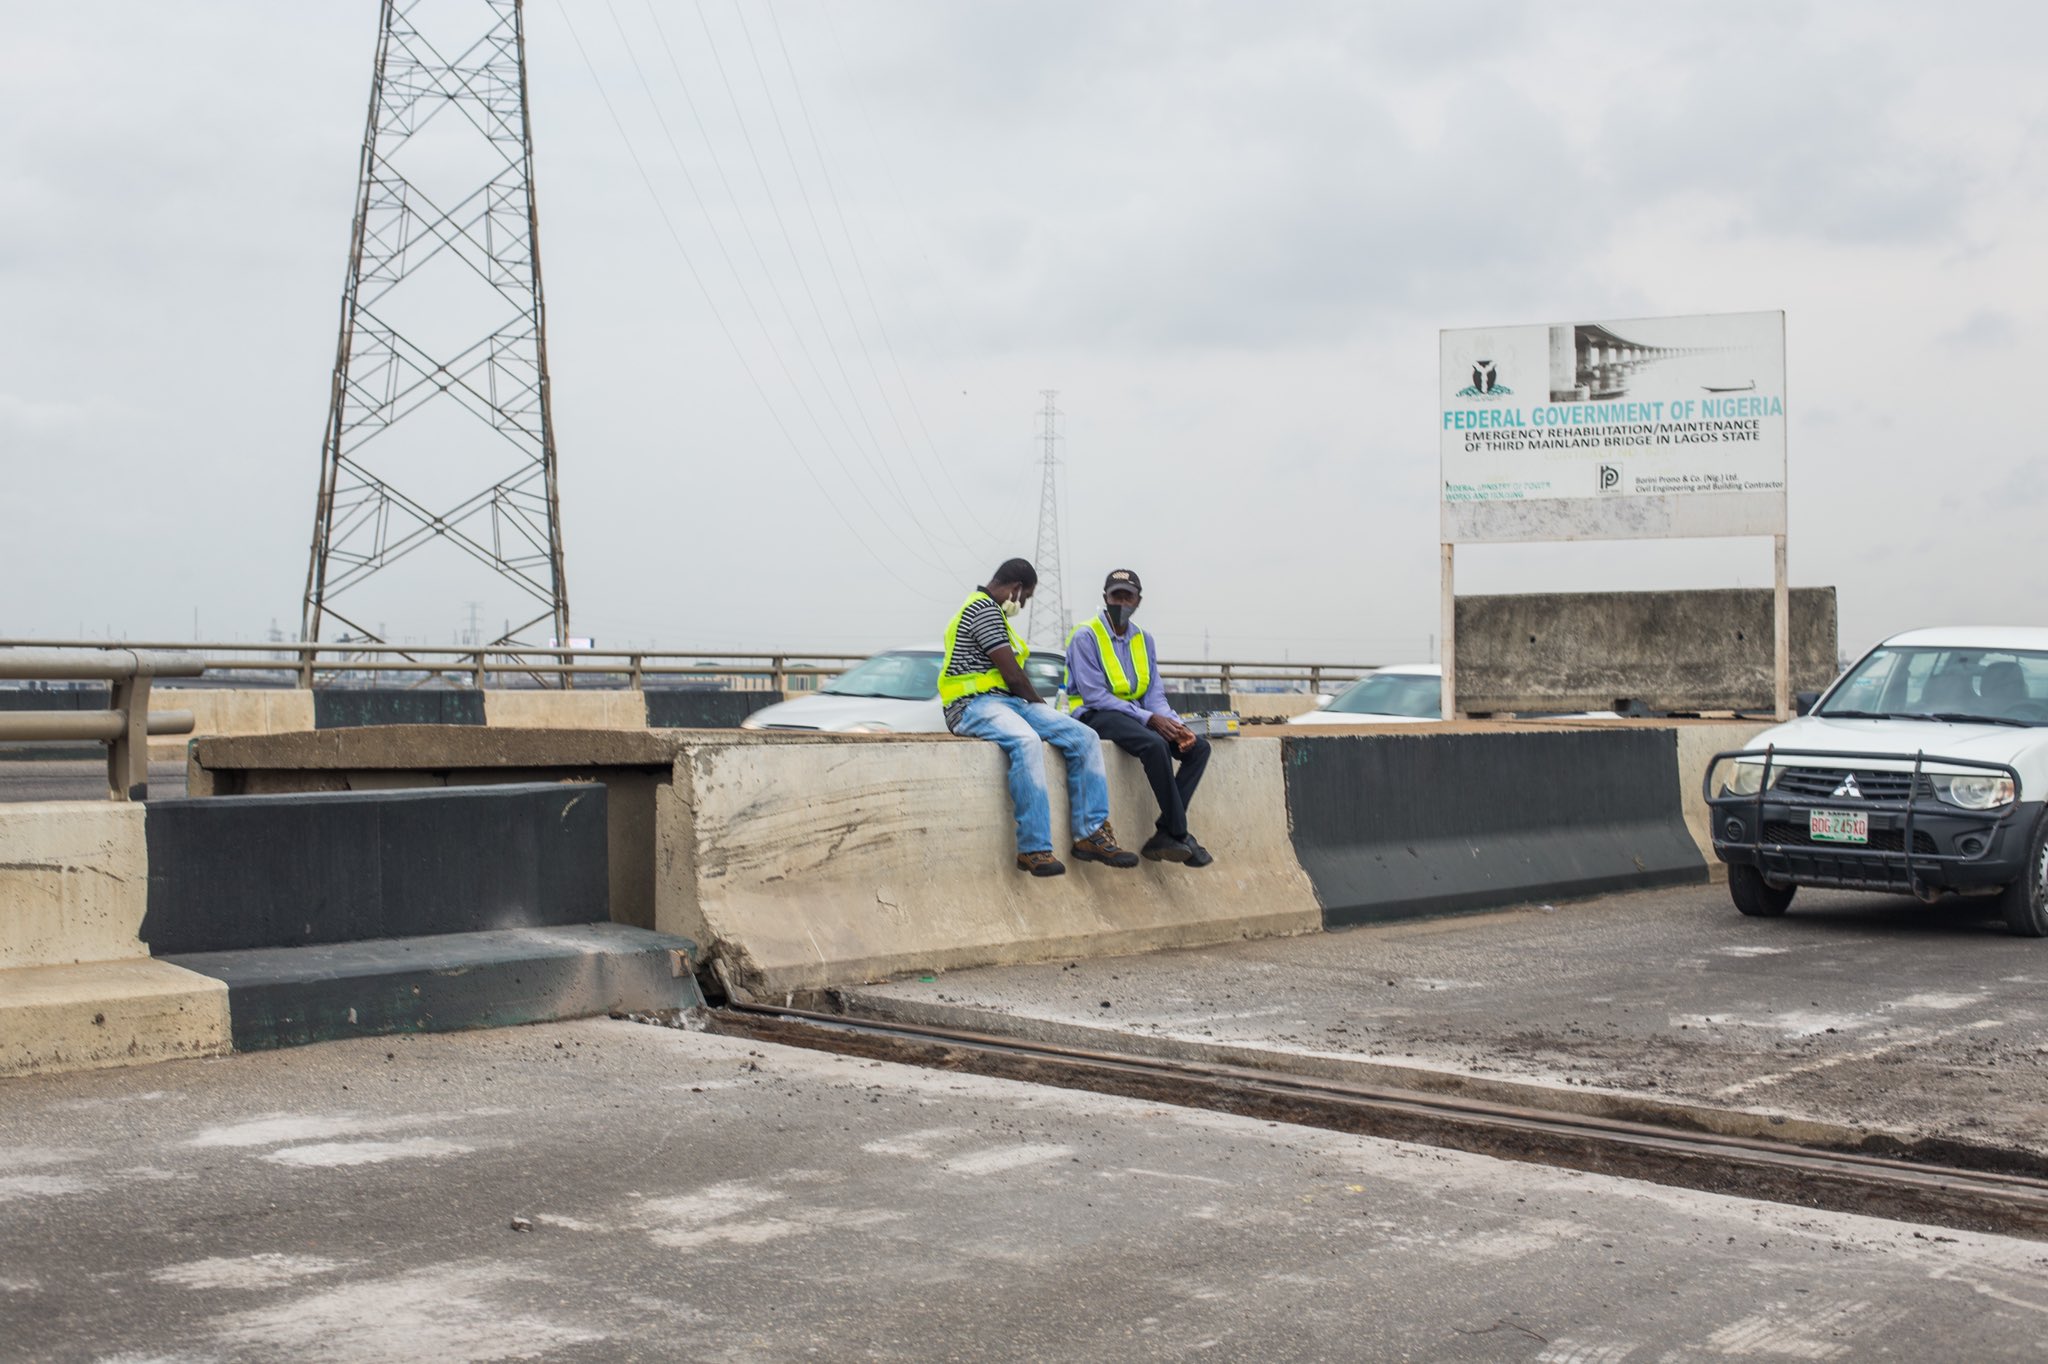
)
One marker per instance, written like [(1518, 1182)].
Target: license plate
[(1838, 826)]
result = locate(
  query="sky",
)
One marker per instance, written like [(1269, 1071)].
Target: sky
[(797, 407)]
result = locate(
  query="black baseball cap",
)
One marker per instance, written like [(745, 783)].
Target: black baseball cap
[(1123, 577)]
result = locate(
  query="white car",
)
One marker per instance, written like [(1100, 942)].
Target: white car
[(891, 693), (1922, 770), (1401, 693)]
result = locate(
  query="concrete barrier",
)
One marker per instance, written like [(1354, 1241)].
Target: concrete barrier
[(1671, 651), (566, 709), (803, 866), (691, 708), (1267, 705), (1395, 825), (801, 861), (73, 882), (76, 986)]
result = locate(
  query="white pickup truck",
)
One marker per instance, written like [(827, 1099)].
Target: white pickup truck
[(1923, 770)]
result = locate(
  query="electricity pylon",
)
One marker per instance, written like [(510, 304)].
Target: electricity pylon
[(1048, 604), (441, 374)]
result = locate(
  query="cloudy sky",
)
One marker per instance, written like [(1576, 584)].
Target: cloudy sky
[(1227, 234)]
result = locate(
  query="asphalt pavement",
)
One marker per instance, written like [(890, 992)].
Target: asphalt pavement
[(614, 1191), (1869, 1011)]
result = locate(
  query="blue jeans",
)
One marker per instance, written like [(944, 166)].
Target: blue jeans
[(1017, 726)]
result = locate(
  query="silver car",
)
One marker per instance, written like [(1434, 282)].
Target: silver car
[(891, 693)]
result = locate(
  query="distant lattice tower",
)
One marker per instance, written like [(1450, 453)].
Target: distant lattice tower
[(439, 435), (1048, 624)]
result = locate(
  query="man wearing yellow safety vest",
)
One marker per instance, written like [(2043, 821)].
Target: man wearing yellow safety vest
[(986, 694), (1114, 687)]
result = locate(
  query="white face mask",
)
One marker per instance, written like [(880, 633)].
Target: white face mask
[(1013, 607)]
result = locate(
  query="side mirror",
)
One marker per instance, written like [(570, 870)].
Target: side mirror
[(1804, 702), (1323, 699)]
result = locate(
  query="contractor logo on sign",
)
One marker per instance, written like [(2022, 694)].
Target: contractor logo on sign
[(1485, 382), (1610, 478)]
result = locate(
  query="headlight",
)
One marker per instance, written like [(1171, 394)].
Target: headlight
[(1747, 778), (1974, 793)]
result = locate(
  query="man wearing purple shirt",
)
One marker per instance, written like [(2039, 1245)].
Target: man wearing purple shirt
[(1113, 686)]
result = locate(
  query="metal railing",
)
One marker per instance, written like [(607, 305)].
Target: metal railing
[(504, 666), (124, 727)]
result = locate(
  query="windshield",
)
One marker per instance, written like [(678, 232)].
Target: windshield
[(900, 676), (1995, 686), (1391, 694)]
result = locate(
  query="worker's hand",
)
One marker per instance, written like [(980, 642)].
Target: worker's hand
[(1173, 731)]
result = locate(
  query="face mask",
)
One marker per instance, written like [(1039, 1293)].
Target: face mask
[(1119, 615), (1013, 607)]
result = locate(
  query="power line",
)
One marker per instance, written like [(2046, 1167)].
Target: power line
[(860, 271), (795, 257), (717, 316), (747, 297)]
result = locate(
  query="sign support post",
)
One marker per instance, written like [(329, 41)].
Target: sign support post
[(1449, 705), (1781, 629)]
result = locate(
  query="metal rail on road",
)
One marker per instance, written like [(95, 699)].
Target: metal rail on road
[(2012, 1201), (501, 666), (124, 727)]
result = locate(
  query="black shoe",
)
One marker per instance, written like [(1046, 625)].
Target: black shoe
[(1199, 855), (1167, 848)]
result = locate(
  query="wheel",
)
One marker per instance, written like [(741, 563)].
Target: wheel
[(2025, 902), (1755, 896)]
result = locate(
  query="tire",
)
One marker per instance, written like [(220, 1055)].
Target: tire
[(2024, 903), (1755, 896)]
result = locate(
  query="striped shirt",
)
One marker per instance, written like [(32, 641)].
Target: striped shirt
[(982, 629)]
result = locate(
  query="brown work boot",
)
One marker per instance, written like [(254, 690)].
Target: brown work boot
[(1041, 864), (1100, 846)]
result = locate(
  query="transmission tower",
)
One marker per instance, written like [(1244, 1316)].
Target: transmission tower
[(440, 375), (1048, 604)]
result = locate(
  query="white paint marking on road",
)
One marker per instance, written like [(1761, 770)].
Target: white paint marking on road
[(548, 1219), (332, 1154), (446, 1314), (1001, 1158), (1906, 1037), (35, 1157), (713, 1203), (731, 1233), (266, 1270), (1747, 950), (19, 1285), (912, 1145), (1813, 1331), (280, 1128), (1564, 1351), (1938, 1001), (14, 1188), (1793, 1023), (1165, 1174)]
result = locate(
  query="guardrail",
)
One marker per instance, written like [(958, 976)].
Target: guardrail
[(348, 664), (124, 728)]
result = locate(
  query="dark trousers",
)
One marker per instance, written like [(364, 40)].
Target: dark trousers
[(1172, 790)]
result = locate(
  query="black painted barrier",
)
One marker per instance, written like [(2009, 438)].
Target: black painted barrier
[(1197, 702), (93, 697), (689, 708), (234, 872), (1394, 826), (350, 707)]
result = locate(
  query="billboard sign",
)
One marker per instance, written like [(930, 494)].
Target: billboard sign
[(1640, 429)]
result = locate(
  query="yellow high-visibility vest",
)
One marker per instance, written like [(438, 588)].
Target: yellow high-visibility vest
[(1122, 687), (951, 689)]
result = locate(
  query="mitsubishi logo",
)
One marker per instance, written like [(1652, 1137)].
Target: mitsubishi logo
[(1848, 788)]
